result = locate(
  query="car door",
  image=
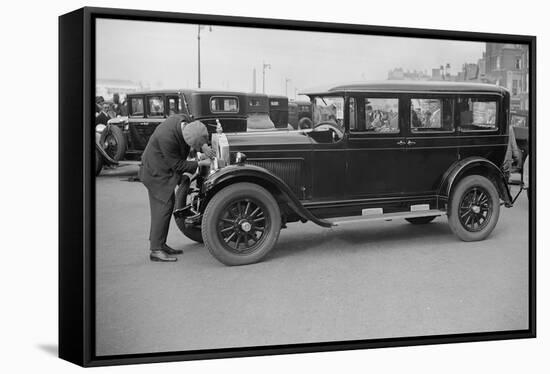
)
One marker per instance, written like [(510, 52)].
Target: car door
[(328, 158), (432, 144), (376, 154)]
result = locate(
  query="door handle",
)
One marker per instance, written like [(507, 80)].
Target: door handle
[(410, 142), (401, 142)]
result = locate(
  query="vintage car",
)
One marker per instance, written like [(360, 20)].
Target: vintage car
[(519, 120), (377, 151), (146, 110), (278, 111), (258, 113), (299, 115)]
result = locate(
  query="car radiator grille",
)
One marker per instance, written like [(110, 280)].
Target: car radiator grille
[(290, 171)]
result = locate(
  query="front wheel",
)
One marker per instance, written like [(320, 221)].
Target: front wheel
[(241, 224), (474, 208)]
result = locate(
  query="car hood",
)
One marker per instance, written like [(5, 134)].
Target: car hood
[(264, 140)]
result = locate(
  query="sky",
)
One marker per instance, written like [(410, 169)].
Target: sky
[(164, 55)]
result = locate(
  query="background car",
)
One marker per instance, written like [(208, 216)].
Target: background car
[(299, 114), (146, 110)]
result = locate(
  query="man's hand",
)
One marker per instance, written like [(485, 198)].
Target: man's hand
[(209, 152)]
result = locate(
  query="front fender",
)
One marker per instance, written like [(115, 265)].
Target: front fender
[(255, 174), (475, 165)]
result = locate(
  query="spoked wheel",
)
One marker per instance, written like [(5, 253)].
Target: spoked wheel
[(474, 208), (114, 142), (241, 224)]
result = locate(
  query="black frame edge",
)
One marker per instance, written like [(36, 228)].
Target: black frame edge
[(77, 189), (71, 334)]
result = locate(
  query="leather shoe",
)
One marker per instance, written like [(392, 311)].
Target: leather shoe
[(171, 251), (161, 256)]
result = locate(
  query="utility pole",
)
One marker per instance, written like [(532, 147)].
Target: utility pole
[(254, 80), (264, 66), (199, 27), (286, 86)]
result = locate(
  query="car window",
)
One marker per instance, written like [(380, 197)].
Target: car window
[(136, 106), (518, 121), (381, 115), (328, 109), (477, 114), (174, 105), (431, 115), (224, 104), (156, 106)]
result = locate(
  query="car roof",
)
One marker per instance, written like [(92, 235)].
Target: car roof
[(187, 91), (278, 97), (408, 86)]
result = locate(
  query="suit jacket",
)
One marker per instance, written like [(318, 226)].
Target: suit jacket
[(165, 159), (102, 118)]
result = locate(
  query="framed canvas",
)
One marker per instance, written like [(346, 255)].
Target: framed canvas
[(236, 186)]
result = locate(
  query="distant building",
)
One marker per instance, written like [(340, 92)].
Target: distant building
[(437, 74), (507, 65), (108, 87), (415, 75)]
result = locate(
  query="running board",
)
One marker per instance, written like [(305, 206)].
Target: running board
[(385, 217)]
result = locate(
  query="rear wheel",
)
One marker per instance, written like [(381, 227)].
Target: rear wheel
[(420, 220), (241, 224), (474, 208)]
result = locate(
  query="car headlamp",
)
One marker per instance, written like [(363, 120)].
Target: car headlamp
[(240, 158)]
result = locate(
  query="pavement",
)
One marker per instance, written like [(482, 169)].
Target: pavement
[(359, 281)]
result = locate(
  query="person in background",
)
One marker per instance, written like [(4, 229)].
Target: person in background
[(117, 106), (102, 117), (98, 101), (513, 154), (163, 162)]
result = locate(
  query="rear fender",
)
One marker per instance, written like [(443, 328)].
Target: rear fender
[(474, 166), (255, 174)]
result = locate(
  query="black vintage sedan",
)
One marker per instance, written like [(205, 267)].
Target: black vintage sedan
[(376, 151), (146, 110)]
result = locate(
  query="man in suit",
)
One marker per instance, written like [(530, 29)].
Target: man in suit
[(163, 163), (103, 117)]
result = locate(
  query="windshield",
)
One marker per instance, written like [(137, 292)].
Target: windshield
[(328, 109)]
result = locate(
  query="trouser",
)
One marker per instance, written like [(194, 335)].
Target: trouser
[(161, 213)]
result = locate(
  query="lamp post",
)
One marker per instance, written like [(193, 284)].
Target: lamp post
[(286, 86), (264, 66), (199, 28)]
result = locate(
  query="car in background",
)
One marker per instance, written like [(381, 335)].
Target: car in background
[(146, 110), (299, 114), (258, 113), (519, 120), (278, 111)]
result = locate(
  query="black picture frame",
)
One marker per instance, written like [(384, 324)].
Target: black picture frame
[(77, 189)]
